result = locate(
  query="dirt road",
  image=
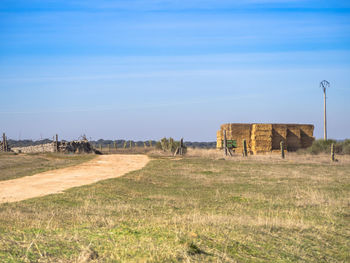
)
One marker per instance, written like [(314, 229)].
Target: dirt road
[(55, 181)]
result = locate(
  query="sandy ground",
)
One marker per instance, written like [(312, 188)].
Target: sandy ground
[(55, 181)]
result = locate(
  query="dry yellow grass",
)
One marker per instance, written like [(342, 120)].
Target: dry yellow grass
[(192, 209), (291, 157)]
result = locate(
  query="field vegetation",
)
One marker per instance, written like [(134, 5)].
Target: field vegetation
[(324, 146), (201, 208)]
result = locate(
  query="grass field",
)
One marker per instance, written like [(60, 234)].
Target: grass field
[(192, 210)]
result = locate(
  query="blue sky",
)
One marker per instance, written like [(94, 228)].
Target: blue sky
[(146, 69)]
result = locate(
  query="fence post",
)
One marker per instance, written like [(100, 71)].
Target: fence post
[(4, 142), (282, 149), (225, 143), (6, 145), (124, 146), (56, 143), (144, 144), (130, 144), (115, 145), (245, 152), (101, 147), (109, 148), (181, 146), (332, 152)]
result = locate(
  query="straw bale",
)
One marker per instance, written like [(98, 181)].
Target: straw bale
[(263, 133), (237, 132), (306, 133), (293, 129), (262, 139), (279, 134), (281, 129), (308, 129), (267, 137), (293, 139), (263, 126), (219, 139), (306, 141), (263, 145)]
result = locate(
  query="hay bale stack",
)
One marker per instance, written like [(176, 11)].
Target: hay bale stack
[(306, 134), (279, 134), (219, 139), (237, 132), (261, 138), (293, 138)]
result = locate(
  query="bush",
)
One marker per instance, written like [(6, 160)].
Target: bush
[(322, 146), (168, 145), (346, 147)]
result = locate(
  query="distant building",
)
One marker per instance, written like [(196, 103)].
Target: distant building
[(263, 138)]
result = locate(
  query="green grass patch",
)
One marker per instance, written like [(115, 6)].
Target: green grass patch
[(191, 210)]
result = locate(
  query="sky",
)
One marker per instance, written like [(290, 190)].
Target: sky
[(147, 69)]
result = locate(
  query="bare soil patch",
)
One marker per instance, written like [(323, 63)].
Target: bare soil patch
[(55, 181)]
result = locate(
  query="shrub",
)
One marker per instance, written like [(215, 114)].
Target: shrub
[(346, 147), (322, 146), (168, 145)]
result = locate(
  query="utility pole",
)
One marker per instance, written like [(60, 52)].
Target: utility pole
[(324, 85)]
